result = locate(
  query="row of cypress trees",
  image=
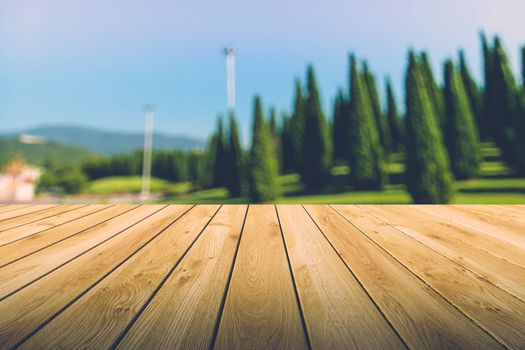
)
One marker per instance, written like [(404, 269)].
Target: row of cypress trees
[(503, 116), (438, 131)]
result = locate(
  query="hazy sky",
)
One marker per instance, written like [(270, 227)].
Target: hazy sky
[(98, 62)]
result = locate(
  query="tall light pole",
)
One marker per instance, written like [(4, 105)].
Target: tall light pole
[(229, 52), (146, 163)]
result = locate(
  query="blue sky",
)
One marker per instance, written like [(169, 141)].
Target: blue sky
[(98, 62)]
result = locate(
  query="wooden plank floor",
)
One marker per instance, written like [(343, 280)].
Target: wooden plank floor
[(262, 276)]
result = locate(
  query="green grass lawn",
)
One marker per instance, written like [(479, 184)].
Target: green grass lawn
[(133, 184), (493, 186)]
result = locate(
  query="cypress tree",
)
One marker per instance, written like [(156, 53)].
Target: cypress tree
[(297, 126), (461, 134), (274, 130), (434, 92), (235, 177), (471, 88), (487, 121), (287, 145), (339, 129), (263, 165), (428, 173), (394, 122), (367, 168), (506, 105), (520, 139), (209, 159), (521, 120), (370, 81), (317, 146), (219, 162), (273, 122), (523, 66)]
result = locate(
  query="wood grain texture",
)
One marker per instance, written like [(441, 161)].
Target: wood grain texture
[(422, 318), (472, 229), (99, 316), (28, 309), (24, 211), (512, 209), (22, 272), (34, 217), (261, 310), (494, 221), (20, 248), (337, 311), (145, 277), (23, 231), (434, 234), (183, 313), (496, 311), (10, 207)]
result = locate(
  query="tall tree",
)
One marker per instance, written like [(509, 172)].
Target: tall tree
[(317, 144), (394, 122), (434, 91), (521, 119), (297, 126), (287, 145), (471, 88), (520, 139), (370, 81), (274, 130), (210, 158), (273, 121), (263, 165), (220, 156), (461, 134), (428, 172), (486, 123), (506, 105), (339, 127), (235, 180), (523, 66), (367, 166)]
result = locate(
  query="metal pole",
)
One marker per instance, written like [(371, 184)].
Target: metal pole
[(230, 78), (148, 143)]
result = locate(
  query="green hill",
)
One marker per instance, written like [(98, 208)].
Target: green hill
[(46, 154), (108, 142)]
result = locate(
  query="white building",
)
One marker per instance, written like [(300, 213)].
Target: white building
[(19, 184)]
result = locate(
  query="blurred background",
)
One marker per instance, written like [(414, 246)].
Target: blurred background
[(276, 101)]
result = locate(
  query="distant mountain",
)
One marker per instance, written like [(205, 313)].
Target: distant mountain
[(108, 142), (45, 154)]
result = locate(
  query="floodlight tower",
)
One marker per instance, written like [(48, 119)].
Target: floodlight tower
[(146, 163), (230, 52)]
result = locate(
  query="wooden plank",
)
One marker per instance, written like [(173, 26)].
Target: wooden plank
[(86, 321), (471, 230), (261, 309), (43, 214), (32, 307), (182, 315), (513, 208), (21, 248), (20, 232), (10, 207), (422, 318), (496, 311), (500, 222), (337, 311), (432, 233), (22, 272), (25, 211)]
